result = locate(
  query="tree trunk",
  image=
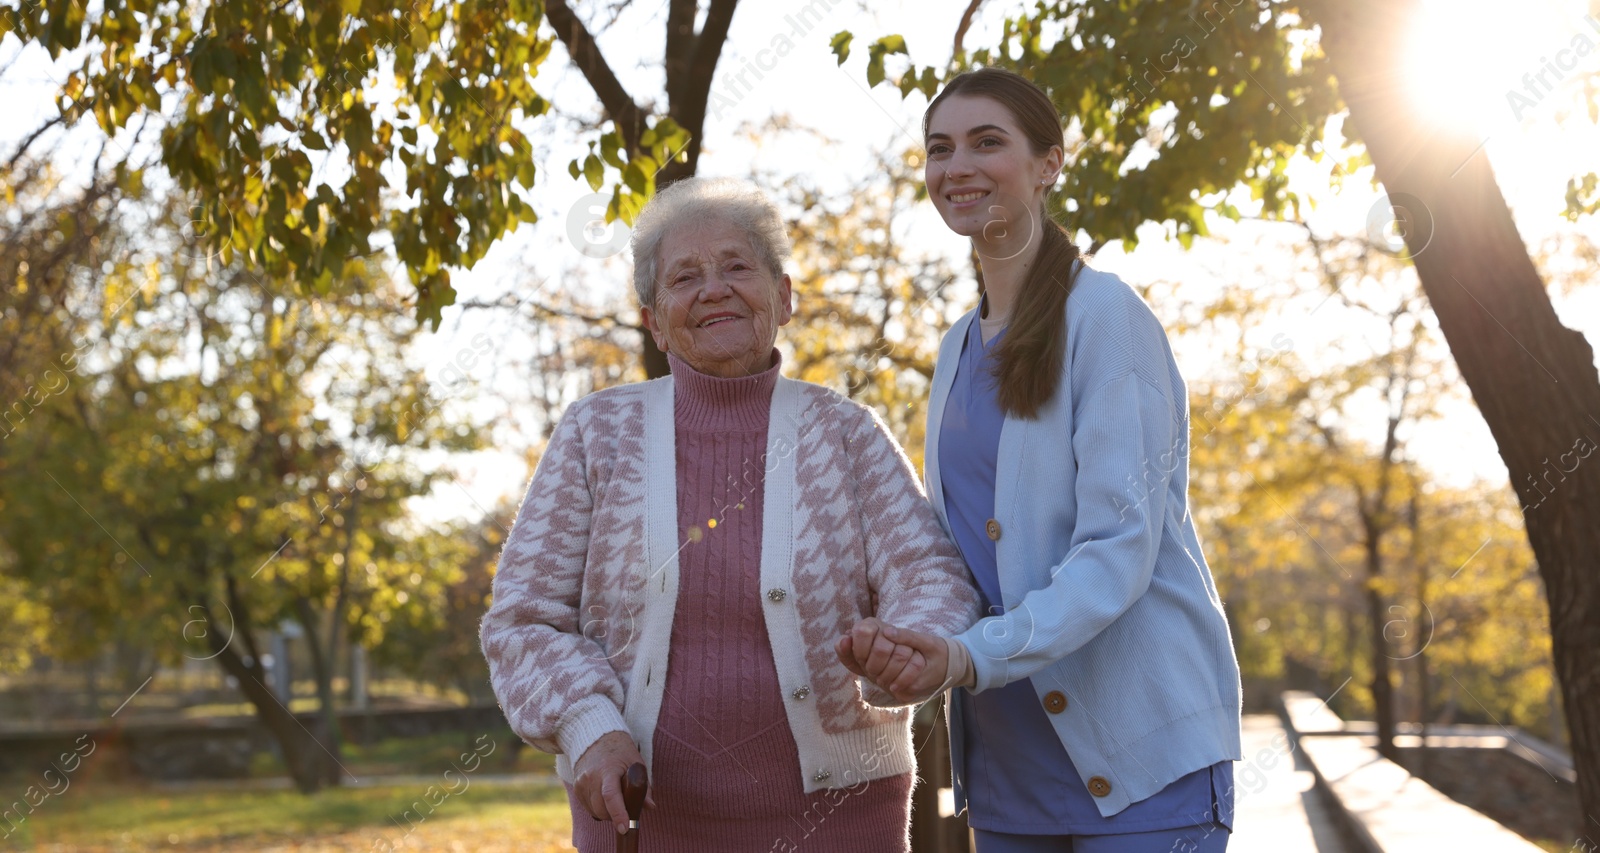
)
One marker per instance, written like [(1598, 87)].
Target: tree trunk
[(294, 741), (300, 751), (326, 728), (1419, 565), (1533, 379), (1382, 684)]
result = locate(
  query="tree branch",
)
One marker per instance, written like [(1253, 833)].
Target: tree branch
[(691, 91), (708, 46), (613, 320), (966, 22), (586, 55), (679, 53), (22, 147)]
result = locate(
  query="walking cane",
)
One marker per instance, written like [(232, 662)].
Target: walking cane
[(634, 784)]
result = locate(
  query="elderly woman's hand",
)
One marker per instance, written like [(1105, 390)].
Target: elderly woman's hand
[(911, 665), (866, 652), (599, 777)]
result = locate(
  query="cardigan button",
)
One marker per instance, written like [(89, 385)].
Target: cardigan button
[(1055, 701), (822, 776), (802, 692), (1099, 786), (776, 595), (993, 529)]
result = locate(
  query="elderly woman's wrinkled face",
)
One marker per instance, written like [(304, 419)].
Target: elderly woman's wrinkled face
[(717, 307)]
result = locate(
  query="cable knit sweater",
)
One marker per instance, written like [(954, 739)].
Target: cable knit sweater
[(578, 636)]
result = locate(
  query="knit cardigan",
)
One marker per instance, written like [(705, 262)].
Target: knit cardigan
[(584, 595)]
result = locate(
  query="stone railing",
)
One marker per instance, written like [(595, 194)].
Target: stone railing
[(1382, 807)]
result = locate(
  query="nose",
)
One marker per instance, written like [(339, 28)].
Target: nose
[(957, 166), (716, 287)]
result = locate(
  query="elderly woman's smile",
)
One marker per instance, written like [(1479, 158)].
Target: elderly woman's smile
[(717, 306)]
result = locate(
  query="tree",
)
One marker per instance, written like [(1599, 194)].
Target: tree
[(1226, 93), (1404, 375), (263, 101), (1533, 378), (57, 240), (237, 457), (1291, 515), (437, 639)]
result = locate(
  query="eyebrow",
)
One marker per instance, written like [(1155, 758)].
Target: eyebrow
[(982, 128), (693, 260)]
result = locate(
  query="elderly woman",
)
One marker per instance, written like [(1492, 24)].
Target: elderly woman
[(689, 548)]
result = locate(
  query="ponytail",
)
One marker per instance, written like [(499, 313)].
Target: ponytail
[(1028, 361)]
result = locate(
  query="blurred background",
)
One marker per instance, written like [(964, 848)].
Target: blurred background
[(291, 295)]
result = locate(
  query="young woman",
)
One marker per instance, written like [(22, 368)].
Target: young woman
[(1097, 706)]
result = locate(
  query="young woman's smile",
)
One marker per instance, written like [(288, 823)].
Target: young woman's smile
[(982, 174)]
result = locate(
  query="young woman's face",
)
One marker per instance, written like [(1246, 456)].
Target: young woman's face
[(982, 174)]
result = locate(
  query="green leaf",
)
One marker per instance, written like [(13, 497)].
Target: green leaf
[(638, 179), (875, 54), (594, 172), (610, 145), (629, 207), (840, 43), (614, 206), (874, 70), (433, 294)]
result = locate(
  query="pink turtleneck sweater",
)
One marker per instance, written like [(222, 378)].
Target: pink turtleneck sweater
[(727, 774)]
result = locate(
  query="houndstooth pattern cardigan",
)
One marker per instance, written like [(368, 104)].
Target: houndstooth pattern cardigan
[(587, 583)]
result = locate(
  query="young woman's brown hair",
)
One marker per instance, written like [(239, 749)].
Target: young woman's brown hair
[(1028, 360)]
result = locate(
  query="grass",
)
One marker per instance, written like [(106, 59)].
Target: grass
[(480, 816), (428, 811)]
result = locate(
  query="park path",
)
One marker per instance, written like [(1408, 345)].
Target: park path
[(1275, 808)]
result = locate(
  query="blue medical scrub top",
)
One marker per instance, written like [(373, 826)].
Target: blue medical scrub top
[(1020, 779)]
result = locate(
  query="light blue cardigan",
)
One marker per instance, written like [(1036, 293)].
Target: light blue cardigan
[(1107, 595)]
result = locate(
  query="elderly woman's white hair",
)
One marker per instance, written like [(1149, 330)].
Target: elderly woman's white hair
[(693, 201)]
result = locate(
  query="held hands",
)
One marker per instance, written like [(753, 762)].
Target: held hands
[(911, 665), (599, 777)]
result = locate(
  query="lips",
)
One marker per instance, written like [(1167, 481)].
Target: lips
[(966, 196), (715, 320)]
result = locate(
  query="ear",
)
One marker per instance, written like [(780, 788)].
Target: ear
[(1053, 161), (651, 322), (786, 300)]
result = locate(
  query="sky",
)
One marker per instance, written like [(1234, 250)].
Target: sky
[(1473, 60)]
